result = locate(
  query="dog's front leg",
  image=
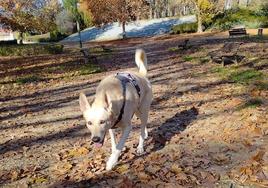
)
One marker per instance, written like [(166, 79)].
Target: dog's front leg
[(113, 139), (116, 153)]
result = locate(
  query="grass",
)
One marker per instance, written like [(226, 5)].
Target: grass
[(30, 49), (89, 69), (188, 58), (262, 85), (251, 103), (239, 76), (28, 79), (246, 76), (173, 49), (204, 60)]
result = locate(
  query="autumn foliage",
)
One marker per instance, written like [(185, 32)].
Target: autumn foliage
[(33, 16), (107, 11)]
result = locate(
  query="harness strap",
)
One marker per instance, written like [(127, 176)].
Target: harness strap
[(124, 79)]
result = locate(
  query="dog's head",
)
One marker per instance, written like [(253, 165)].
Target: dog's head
[(98, 119)]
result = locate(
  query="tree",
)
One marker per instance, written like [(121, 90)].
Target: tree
[(107, 11), (65, 22), (204, 10), (34, 16), (76, 12)]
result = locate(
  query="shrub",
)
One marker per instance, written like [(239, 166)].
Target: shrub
[(55, 36), (238, 16), (184, 28), (30, 49), (8, 42)]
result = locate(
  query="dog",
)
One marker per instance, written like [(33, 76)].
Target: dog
[(118, 97)]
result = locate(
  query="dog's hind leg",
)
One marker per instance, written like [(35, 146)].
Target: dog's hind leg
[(143, 118), (143, 114), (115, 154)]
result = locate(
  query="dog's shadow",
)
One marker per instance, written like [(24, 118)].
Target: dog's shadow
[(171, 127)]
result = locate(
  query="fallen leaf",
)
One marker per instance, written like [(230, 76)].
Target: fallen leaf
[(126, 183), (122, 169), (143, 176), (258, 156), (220, 158), (176, 169)]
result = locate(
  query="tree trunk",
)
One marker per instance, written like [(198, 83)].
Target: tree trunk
[(124, 29), (228, 4), (199, 19), (20, 39)]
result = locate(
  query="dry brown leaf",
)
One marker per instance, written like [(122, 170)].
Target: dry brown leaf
[(243, 178), (181, 176), (220, 158), (122, 169), (143, 176), (126, 183), (258, 156), (14, 175), (247, 142), (176, 169), (265, 170), (153, 169), (63, 168)]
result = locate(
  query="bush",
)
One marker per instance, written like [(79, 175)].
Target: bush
[(30, 49), (55, 36), (184, 28), (238, 16), (9, 42)]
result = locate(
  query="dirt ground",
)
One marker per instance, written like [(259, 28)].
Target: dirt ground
[(201, 133)]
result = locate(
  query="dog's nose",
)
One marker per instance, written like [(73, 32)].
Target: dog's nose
[(96, 139)]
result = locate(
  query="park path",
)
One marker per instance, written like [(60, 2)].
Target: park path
[(198, 134)]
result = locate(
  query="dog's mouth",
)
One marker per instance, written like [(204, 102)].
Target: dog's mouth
[(98, 144)]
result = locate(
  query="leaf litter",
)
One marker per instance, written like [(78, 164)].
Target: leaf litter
[(198, 137)]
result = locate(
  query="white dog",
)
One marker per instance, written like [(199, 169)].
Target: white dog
[(118, 97)]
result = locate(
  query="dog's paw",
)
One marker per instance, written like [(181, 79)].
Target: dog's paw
[(112, 162), (140, 150)]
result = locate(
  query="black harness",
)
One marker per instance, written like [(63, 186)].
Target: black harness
[(125, 78)]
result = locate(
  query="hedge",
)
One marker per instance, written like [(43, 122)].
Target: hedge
[(184, 28), (30, 49)]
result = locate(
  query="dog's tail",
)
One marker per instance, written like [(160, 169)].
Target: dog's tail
[(141, 61)]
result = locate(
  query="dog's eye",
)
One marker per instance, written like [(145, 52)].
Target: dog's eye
[(89, 123), (102, 122)]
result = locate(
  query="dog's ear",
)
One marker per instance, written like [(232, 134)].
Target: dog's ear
[(84, 105)]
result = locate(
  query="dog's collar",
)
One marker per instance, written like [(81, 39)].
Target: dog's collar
[(124, 79)]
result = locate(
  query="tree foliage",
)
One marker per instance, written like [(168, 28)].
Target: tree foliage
[(107, 11), (33, 16)]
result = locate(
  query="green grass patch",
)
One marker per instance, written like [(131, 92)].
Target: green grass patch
[(101, 49), (251, 103), (28, 79), (204, 60), (239, 76), (89, 69), (30, 49), (188, 58), (246, 76), (173, 49), (262, 85)]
